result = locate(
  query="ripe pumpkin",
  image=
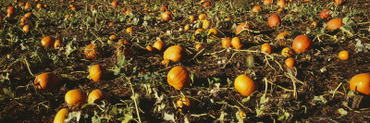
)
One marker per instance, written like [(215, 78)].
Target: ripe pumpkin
[(198, 46), (46, 80), (113, 37), (158, 45), (74, 97), (127, 12), (90, 52), (212, 31), (289, 62), (57, 44), (206, 4), (235, 42), (226, 42), (245, 85), (360, 83), (97, 95), (27, 6), (163, 8), (343, 55), (24, 19), (256, 9), (10, 10), (114, 3), (47, 42), (334, 24), (286, 52), (96, 73), (325, 14), (241, 26), (191, 18), (184, 102), (129, 30), (198, 31), (149, 48), (281, 3), (166, 16), (266, 48), (26, 28), (202, 17), (282, 35), (301, 43), (314, 24), (178, 77), (267, 2), (338, 2), (273, 20), (61, 115), (173, 53), (206, 24)]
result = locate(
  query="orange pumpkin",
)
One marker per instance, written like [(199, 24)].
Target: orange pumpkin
[(97, 95), (325, 14), (206, 24), (281, 3), (282, 35), (360, 83), (245, 85), (158, 45), (129, 30), (273, 20), (27, 6), (343, 55), (10, 10), (334, 24), (226, 42), (338, 2), (267, 2), (96, 73), (46, 81), (266, 48), (90, 52), (114, 3), (235, 42), (289, 63), (47, 42), (184, 102), (198, 46), (186, 27), (26, 28), (206, 4), (166, 16), (241, 26), (256, 9), (202, 17), (113, 37), (61, 115), (178, 77), (149, 48), (212, 31), (301, 43), (191, 18), (57, 44), (173, 53), (163, 8), (74, 97)]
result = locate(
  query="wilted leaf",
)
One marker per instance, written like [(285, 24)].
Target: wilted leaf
[(73, 117)]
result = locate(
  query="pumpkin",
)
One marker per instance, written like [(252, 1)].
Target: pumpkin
[(149, 48), (266, 48), (206, 4), (241, 27), (158, 45), (226, 42), (173, 53), (26, 28), (282, 35), (166, 16), (27, 6), (334, 24), (96, 73), (235, 42), (281, 3), (360, 83), (186, 27), (46, 80), (198, 46), (273, 20), (178, 77), (212, 31), (301, 43), (242, 114), (129, 30), (47, 42), (191, 18), (163, 8), (343, 55), (61, 115), (289, 62), (114, 3), (24, 19), (245, 85), (313, 24), (90, 52), (325, 14), (338, 2), (113, 37), (202, 17), (198, 31), (97, 95), (127, 12), (267, 2), (206, 24), (184, 102), (286, 52), (10, 10), (256, 9), (74, 97), (57, 44), (39, 6)]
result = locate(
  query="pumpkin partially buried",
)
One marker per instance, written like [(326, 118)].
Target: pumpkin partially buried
[(61, 115), (75, 97), (360, 83), (245, 85), (241, 26), (46, 80), (90, 51), (173, 53), (97, 95), (178, 77)]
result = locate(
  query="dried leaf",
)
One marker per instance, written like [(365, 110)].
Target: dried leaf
[(169, 117)]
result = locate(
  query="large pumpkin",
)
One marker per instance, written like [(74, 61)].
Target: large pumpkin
[(46, 81), (245, 85), (173, 53), (61, 115), (360, 83), (178, 77), (301, 43)]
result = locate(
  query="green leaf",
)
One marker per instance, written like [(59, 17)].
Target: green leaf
[(342, 111)]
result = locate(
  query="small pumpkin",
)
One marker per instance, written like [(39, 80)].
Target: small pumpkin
[(198, 31), (113, 37), (158, 45), (245, 85), (266, 48), (282, 35), (178, 77), (334, 24), (27, 6), (186, 27), (74, 97), (267, 2), (206, 4), (212, 31), (96, 73), (202, 17), (281, 3), (173, 53), (338, 2), (61, 115), (191, 18), (57, 44), (286, 52), (325, 14), (39, 6), (90, 52), (235, 42), (46, 80), (149, 48), (28, 14), (129, 30), (26, 28), (360, 83), (97, 95), (10, 10), (163, 8), (166, 16), (226, 42), (313, 24), (273, 20), (289, 62), (185, 102), (241, 27), (206, 24), (301, 43), (114, 3), (47, 42), (198, 46), (256, 9), (343, 55)]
